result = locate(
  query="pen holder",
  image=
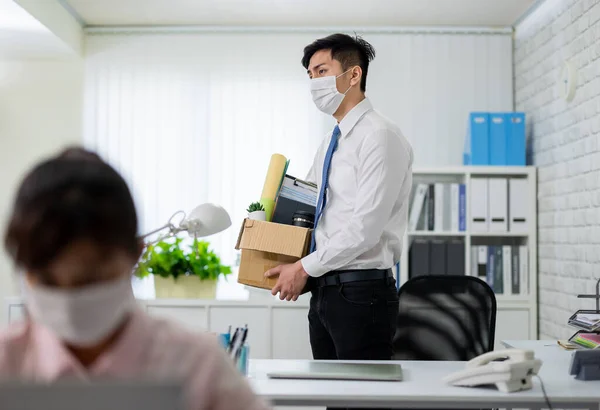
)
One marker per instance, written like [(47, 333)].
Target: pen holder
[(224, 339), (241, 363)]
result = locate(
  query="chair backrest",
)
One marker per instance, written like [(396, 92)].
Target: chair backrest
[(445, 318)]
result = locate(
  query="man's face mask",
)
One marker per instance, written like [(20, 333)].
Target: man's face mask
[(325, 94)]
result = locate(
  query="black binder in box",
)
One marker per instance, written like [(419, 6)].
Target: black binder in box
[(419, 258), (295, 195), (455, 258)]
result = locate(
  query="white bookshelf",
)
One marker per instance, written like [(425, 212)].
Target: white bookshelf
[(510, 307)]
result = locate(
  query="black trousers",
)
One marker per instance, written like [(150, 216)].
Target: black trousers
[(353, 321)]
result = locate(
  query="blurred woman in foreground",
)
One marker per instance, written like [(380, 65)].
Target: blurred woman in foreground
[(73, 235)]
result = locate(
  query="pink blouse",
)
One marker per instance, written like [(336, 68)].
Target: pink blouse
[(148, 347)]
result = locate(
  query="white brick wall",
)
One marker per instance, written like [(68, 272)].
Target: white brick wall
[(565, 141)]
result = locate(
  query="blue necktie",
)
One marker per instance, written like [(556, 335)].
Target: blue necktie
[(324, 180)]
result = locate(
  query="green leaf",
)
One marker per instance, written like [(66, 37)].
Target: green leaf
[(173, 258), (255, 206)]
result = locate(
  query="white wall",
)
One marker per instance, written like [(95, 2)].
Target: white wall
[(566, 148), (211, 107), (40, 112), (428, 84)]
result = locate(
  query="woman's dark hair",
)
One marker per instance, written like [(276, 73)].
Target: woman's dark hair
[(73, 196), (349, 51)]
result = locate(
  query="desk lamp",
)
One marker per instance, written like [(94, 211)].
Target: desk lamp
[(205, 220)]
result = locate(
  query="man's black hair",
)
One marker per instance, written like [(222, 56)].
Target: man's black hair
[(349, 51)]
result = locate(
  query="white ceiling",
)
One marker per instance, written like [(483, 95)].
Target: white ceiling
[(329, 13), (23, 37)]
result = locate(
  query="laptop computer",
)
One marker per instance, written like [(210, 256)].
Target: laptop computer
[(91, 396), (341, 371)]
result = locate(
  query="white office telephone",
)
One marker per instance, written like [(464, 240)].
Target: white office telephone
[(510, 370)]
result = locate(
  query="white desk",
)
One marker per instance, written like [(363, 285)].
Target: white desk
[(422, 388), (553, 356)]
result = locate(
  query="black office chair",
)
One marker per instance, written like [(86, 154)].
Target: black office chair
[(445, 318)]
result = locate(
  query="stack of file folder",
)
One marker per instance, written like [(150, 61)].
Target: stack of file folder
[(499, 205), (436, 257), (505, 268), (495, 139), (440, 207)]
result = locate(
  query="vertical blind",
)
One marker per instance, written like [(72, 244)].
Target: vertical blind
[(193, 118)]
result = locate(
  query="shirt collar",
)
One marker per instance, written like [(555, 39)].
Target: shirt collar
[(353, 116), (125, 357), (54, 361)]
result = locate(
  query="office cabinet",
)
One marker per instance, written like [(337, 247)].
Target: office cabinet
[(280, 330), (257, 319), (290, 333), (193, 317), (501, 224), (512, 324)]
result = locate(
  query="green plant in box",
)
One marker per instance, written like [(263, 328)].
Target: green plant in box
[(255, 206), (171, 259)]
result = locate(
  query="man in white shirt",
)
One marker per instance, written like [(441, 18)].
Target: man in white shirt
[(364, 173)]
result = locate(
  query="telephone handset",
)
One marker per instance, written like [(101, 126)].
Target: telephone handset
[(509, 370), (500, 356)]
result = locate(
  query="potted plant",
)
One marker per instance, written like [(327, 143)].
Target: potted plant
[(182, 270), (257, 212)]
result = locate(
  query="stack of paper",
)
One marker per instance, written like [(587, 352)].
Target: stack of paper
[(587, 340), (586, 321)]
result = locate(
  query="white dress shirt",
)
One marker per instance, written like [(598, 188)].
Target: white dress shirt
[(364, 220)]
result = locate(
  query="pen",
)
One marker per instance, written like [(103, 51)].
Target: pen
[(233, 340), (239, 342), (244, 334), (238, 351)]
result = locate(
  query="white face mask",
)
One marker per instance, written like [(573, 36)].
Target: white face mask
[(325, 94), (83, 316)]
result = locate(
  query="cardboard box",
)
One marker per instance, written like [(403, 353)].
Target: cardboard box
[(265, 245)]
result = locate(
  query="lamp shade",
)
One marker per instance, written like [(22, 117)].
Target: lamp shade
[(206, 219)]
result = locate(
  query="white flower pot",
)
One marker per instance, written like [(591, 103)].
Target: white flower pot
[(258, 215), (184, 287)]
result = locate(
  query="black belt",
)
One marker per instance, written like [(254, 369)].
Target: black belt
[(340, 277)]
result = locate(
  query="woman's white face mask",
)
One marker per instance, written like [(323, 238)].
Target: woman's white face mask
[(81, 316), (325, 94)]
